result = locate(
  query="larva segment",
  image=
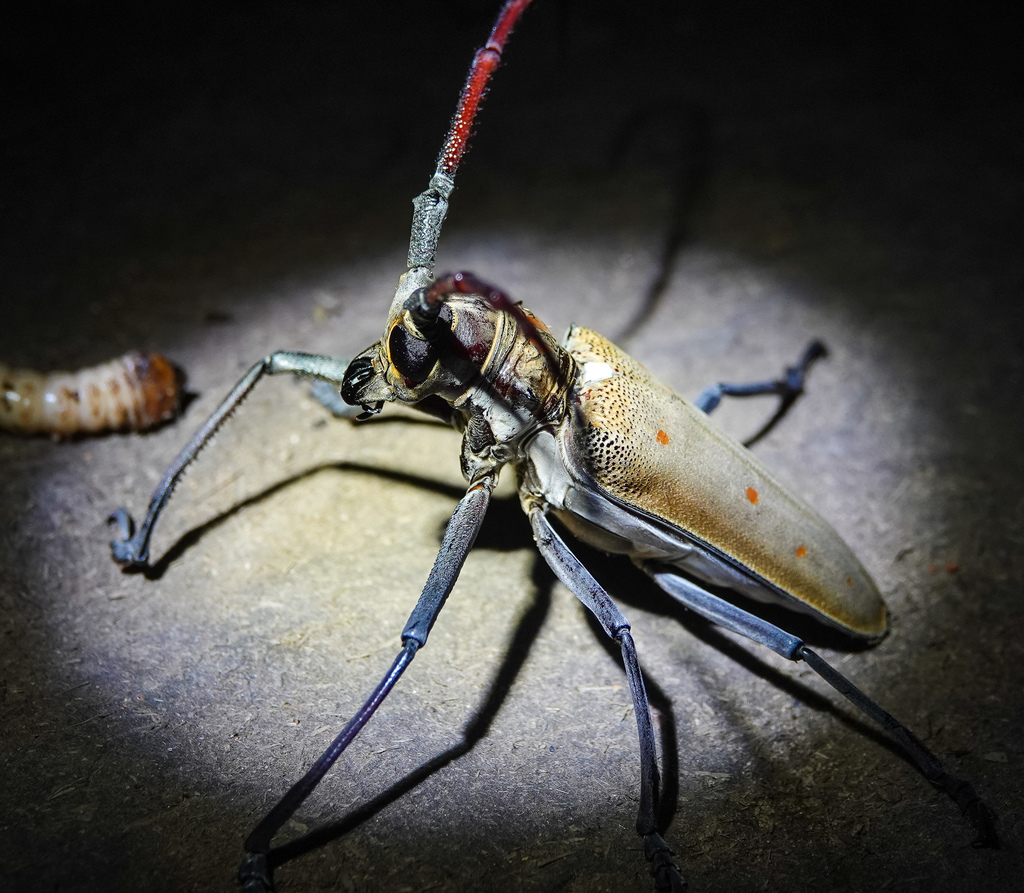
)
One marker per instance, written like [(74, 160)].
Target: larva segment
[(134, 392)]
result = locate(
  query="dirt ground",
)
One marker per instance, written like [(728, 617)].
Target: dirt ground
[(712, 188)]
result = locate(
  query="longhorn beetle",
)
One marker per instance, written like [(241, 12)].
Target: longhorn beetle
[(595, 440)]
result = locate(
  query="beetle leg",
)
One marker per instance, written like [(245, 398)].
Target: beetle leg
[(131, 549), (761, 631), (572, 573), (458, 540), (787, 388)]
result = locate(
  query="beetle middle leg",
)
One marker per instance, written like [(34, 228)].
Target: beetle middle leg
[(459, 537), (573, 574)]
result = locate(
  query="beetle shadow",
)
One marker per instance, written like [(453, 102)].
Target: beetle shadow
[(781, 411), (473, 732), (192, 537), (691, 165)]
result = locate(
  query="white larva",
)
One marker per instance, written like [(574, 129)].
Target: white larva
[(134, 392)]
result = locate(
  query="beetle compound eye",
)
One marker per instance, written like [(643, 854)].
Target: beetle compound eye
[(412, 357)]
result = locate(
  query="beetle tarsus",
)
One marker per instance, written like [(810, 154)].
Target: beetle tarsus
[(124, 521), (973, 808), (793, 381), (126, 549), (254, 874), (981, 818), (815, 350), (369, 411), (664, 870)]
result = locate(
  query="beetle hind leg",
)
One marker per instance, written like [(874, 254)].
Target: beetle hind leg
[(930, 766), (726, 614), (787, 387)]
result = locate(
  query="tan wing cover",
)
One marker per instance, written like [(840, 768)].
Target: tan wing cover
[(648, 447)]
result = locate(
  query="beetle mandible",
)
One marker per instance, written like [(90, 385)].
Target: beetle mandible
[(596, 441)]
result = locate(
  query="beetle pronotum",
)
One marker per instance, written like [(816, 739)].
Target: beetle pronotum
[(136, 391), (621, 461)]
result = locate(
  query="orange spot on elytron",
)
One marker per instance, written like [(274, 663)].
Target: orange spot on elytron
[(801, 551), (752, 495), (662, 438), (849, 581)]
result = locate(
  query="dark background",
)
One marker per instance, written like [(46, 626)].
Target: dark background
[(711, 184)]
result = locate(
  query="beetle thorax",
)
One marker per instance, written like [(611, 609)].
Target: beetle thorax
[(523, 385), (495, 374)]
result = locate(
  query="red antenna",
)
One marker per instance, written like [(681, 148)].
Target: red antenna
[(432, 205), (484, 63)]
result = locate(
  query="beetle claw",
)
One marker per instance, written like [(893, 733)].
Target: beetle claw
[(125, 550), (980, 816)]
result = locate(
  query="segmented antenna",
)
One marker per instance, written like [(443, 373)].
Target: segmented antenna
[(431, 206), (484, 63)]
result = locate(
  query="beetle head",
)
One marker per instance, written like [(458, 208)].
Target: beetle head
[(467, 344), (439, 342)]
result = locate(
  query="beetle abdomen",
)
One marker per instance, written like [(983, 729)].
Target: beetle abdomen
[(649, 448)]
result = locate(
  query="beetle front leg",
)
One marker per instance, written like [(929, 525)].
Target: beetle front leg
[(726, 614), (572, 573), (131, 550)]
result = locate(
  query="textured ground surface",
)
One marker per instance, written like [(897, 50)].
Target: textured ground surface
[(218, 188)]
